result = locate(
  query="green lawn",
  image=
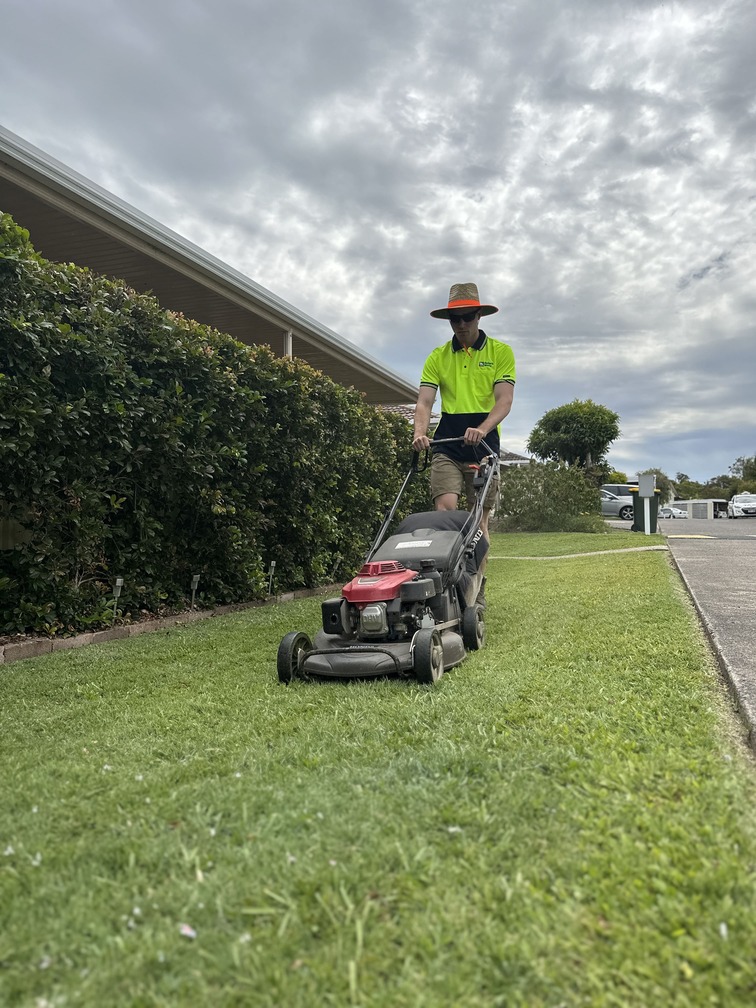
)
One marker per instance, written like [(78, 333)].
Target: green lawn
[(568, 543), (566, 819)]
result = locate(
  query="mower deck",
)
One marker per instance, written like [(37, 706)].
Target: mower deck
[(342, 658)]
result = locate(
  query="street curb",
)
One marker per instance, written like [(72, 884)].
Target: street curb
[(42, 646), (732, 680)]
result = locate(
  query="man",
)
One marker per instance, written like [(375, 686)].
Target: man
[(476, 377)]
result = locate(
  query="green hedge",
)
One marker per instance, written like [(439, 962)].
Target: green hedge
[(136, 443), (548, 497)]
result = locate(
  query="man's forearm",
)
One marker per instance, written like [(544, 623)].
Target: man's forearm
[(422, 419), (500, 411)]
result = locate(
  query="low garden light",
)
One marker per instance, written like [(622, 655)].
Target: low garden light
[(116, 595), (195, 582)]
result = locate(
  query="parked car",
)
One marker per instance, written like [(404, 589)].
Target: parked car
[(613, 506), (619, 489), (672, 512), (742, 505)]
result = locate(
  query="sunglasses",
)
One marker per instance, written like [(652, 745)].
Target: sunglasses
[(466, 317)]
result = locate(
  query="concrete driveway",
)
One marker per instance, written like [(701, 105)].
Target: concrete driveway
[(719, 528)]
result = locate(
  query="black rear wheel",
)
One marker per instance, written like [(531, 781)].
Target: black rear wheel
[(626, 513), (291, 651), (429, 656), (473, 629)]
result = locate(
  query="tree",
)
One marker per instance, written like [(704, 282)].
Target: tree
[(722, 486), (744, 468), (578, 433), (740, 479), (616, 476), (686, 488)]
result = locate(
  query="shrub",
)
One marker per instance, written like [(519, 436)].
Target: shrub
[(139, 444), (548, 497)]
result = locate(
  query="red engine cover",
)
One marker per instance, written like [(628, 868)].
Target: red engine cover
[(379, 581)]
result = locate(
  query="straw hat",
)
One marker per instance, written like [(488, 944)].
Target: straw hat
[(464, 295)]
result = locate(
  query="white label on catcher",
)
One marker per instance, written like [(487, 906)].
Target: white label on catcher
[(413, 544)]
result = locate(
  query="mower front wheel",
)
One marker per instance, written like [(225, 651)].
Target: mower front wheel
[(473, 629), (429, 656), (291, 651)]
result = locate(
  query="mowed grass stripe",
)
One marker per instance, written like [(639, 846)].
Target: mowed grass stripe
[(566, 819)]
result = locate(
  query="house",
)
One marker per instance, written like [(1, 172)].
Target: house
[(70, 219)]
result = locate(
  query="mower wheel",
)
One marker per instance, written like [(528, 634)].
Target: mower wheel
[(429, 656), (473, 628), (291, 650)]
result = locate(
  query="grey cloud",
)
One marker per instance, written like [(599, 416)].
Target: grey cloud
[(590, 165), (715, 265)]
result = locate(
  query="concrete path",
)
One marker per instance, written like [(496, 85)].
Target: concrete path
[(717, 562)]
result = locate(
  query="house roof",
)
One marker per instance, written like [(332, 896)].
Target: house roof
[(70, 219), (512, 458), (407, 410)]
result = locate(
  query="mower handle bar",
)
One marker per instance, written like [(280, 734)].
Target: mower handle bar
[(477, 511), (449, 440)]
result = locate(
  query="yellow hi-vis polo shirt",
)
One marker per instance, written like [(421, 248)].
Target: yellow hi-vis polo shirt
[(466, 380)]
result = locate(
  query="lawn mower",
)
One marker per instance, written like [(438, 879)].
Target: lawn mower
[(412, 609)]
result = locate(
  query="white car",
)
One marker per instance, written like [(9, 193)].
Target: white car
[(742, 505), (672, 512)]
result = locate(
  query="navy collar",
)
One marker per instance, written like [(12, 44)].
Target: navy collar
[(479, 343)]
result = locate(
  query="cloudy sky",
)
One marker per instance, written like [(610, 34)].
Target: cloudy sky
[(590, 164)]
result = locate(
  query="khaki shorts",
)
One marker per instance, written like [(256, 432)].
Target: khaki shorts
[(450, 476)]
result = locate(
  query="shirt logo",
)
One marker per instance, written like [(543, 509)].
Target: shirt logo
[(485, 363)]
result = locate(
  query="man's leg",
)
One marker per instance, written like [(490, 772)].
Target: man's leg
[(446, 502), (484, 522), (488, 505), (447, 483)]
